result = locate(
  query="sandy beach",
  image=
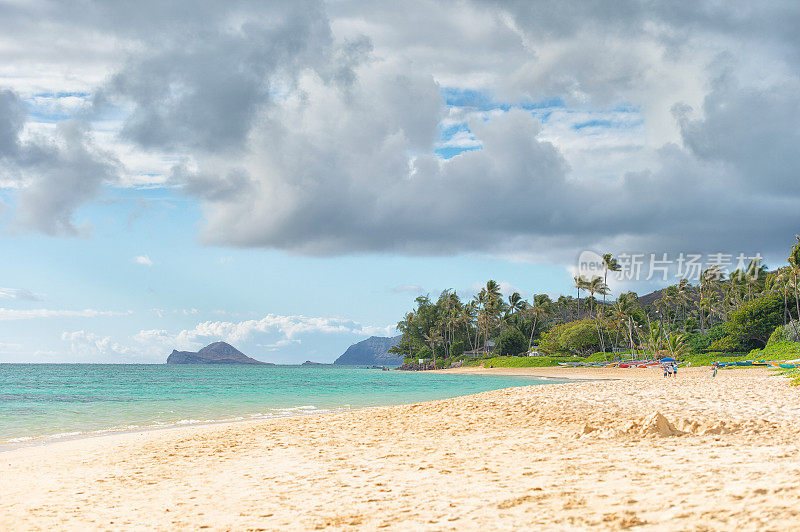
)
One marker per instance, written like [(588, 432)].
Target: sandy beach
[(628, 450)]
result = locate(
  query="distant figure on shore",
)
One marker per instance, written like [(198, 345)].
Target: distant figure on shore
[(714, 368), (675, 369)]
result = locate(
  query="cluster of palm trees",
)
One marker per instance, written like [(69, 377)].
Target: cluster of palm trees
[(449, 325), (683, 308), (718, 295), (595, 285)]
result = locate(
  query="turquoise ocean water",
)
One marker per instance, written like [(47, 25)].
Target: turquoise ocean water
[(43, 402)]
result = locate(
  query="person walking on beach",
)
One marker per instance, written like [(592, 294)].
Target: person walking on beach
[(714, 368), (665, 370), (675, 370)]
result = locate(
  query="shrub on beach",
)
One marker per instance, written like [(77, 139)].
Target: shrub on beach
[(579, 337), (512, 342), (728, 344), (516, 362), (756, 320), (457, 348), (778, 350), (785, 333), (699, 342)]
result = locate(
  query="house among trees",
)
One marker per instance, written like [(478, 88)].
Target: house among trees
[(487, 349)]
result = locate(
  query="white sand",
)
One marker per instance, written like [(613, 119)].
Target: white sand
[(558, 457)]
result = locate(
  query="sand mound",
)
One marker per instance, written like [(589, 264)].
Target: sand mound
[(657, 425), (653, 425)]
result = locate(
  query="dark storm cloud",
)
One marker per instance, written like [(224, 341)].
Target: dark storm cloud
[(12, 118), (753, 129), (201, 82), (56, 173)]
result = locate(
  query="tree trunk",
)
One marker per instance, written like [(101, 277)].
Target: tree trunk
[(533, 330), (600, 337), (796, 296)]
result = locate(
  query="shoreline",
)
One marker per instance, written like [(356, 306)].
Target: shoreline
[(296, 412), (633, 451), (46, 440)]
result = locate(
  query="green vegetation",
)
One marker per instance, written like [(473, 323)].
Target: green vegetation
[(729, 344), (778, 351), (749, 314), (512, 343), (793, 374), (515, 362), (699, 342), (754, 321), (577, 337), (786, 333)]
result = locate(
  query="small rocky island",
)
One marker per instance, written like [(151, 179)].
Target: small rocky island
[(216, 353)]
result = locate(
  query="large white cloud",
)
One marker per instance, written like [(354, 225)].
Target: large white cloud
[(311, 127)]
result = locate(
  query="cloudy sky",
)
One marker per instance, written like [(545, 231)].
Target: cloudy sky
[(289, 176)]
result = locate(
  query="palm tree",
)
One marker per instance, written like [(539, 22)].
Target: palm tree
[(563, 303), (580, 284), (596, 286), (677, 345), (451, 316), (493, 307), (709, 282), (703, 307), (493, 290), (540, 309), (754, 276), (624, 311), (610, 264), (433, 337), (684, 295), (794, 263), (515, 303), (481, 302), (468, 313), (404, 326), (782, 283), (652, 339)]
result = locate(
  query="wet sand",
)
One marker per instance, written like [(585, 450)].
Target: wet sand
[(628, 449)]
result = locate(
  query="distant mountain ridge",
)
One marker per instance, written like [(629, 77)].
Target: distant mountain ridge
[(216, 353), (372, 351)]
